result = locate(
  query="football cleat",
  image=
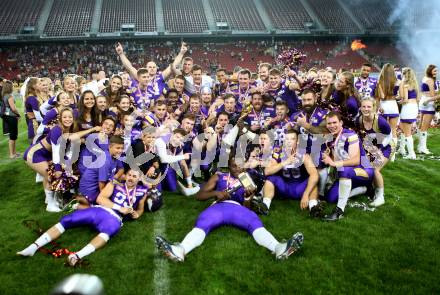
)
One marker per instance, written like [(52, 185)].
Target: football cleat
[(284, 250), (258, 206), (173, 252), (336, 214), (317, 211)]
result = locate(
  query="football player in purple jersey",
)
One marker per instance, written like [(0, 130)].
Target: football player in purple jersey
[(116, 202)]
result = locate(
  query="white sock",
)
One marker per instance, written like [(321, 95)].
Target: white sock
[(323, 175), (422, 140), (193, 239), (312, 203), (409, 141), (343, 192), (40, 242), (360, 190), (39, 178), (402, 143), (49, 195), (88, 249), (378, 192), (264, 238), (267, 202)]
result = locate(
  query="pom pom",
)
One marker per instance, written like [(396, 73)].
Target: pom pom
[(64, 183), (292, 58)]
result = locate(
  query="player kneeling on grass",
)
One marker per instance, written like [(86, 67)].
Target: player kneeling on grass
[(293, 176), (228, 209), (345, 154), (116, 202)]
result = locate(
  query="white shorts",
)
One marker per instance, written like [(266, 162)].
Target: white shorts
[(409, 112), (426, 109), (390, 108)]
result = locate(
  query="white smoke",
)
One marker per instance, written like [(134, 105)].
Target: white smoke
[(419, 31)]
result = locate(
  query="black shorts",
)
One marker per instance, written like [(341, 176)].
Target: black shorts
[(12, 123)]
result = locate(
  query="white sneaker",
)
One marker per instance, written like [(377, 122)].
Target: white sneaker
[(424, 151), (284, 250), (73, 259), (378, 201), (410, 157), (52, 205), (52, 208)]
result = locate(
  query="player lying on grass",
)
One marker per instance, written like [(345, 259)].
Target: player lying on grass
[(228, 209), (117, 201)]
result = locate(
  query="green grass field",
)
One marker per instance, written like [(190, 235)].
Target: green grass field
[(394, 250)]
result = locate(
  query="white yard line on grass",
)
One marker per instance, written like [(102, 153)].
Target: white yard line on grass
[(161, 277)]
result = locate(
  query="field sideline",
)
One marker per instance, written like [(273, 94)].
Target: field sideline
[(394, 250)]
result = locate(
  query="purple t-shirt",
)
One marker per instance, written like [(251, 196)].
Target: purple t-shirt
[(106, 170)]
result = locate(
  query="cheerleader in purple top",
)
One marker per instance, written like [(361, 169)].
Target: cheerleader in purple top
[(344, 98), (32, 108), (375, 134), (385, 94), (51, 118), (38, 155), (430, 94), (409, 92)]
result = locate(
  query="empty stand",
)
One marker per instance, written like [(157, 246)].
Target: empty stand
[(287, 14), (18, 13), (240, 15), (184, 16), (70, 18), (333, 16), (117, 12)]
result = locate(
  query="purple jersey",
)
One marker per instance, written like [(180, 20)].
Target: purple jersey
[(102, 172), (90, 152), (287, 95), (315, 119), (221, 89), (295, 171), (142, 98), (339, 146), (259, 118), (226, 182), (280, 130), (241, 94), (155, 88), (127, 198), (365, 87)]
